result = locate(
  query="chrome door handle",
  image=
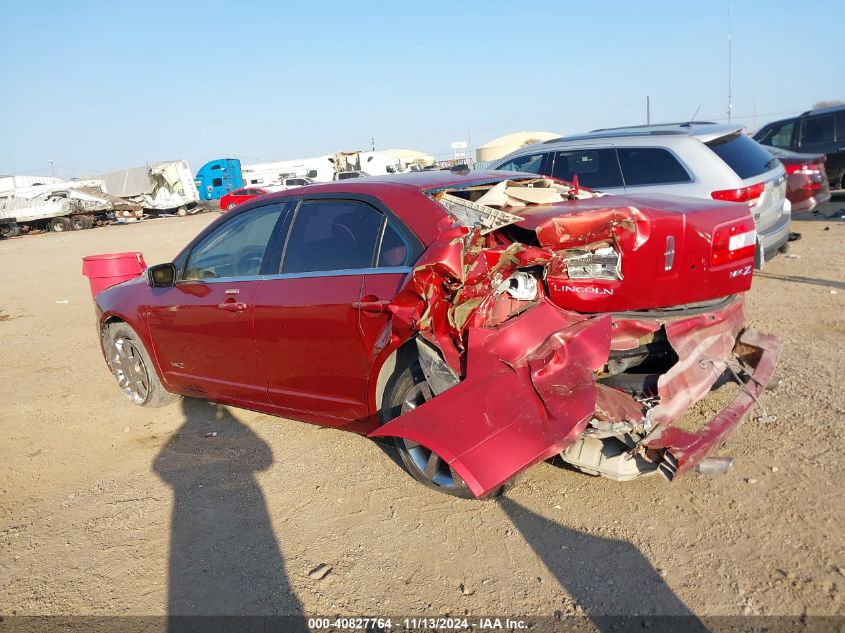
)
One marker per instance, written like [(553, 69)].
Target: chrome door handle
[(232, 306)]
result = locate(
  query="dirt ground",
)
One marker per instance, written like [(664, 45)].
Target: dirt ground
[(108, 508)]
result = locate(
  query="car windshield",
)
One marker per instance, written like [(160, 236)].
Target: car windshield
[(745, 156)]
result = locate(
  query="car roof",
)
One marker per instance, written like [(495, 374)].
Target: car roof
[(702, 130), (830, 110)]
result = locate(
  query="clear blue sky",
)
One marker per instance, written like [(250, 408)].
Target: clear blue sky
[(107, 85)]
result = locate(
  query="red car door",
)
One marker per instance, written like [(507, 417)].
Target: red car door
[(307, 327), (202, 328)]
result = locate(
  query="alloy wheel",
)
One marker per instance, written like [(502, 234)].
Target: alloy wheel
[(429, 463), (129, 370)]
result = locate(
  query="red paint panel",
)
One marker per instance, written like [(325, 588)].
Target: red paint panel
[(517, 405), (665, 254), (310, 345), (203, 348)]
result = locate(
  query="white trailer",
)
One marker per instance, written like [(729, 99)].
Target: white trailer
[(319, 168), (165, 187), (272, 174), (60, 206)]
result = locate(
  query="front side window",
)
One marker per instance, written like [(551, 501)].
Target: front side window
[(817, 129), (236, 248), (530, 163), (650, 166), (332, 235), (596, 168), (777, 135)]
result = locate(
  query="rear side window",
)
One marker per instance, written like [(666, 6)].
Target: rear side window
[(596, 168), (216, 182), (531, 163), (332, 235), (650, 166), (777, 135), (742, 154), (817, 129), (395, 249)]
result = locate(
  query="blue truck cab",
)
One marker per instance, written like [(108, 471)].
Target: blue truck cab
[(218, 177)]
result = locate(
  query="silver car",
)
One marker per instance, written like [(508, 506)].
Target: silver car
[(700, 160)]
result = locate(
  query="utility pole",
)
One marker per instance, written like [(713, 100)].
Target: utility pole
[(469, 147), (648, 110), (730, 98), (52, 168), (373, 141)]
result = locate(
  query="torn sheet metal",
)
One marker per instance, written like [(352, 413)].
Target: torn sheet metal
[(684, 449), (514, 366), (528, 393)]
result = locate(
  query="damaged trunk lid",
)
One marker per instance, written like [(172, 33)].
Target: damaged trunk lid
[(641, 252)]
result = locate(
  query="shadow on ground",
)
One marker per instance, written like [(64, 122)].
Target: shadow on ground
[(608, 578), (830, 283), (224, 558)]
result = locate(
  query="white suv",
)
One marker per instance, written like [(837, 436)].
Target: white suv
[(700, 160)]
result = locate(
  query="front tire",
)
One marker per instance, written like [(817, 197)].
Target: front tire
[(133, 369), (407, 391)]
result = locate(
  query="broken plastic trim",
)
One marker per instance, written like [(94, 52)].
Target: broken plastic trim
[(602, 263), (472, 214)]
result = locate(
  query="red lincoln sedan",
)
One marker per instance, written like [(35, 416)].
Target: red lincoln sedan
[(239, 196), (483, 320)]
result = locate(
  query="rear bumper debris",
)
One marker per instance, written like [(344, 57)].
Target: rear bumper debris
[(685, 450)]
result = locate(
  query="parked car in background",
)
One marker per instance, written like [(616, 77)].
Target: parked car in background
[(239, 196), (290, 183), (348, 175), (806, 180), (815, 132), (420, 307), (701, 160)]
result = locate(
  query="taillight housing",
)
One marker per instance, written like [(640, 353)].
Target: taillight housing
[(748, 194), (732, 242), (802, 168)]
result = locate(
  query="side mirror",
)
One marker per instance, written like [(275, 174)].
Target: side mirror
[(161, 275)]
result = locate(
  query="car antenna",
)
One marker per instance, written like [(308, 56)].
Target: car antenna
[(695, 114)]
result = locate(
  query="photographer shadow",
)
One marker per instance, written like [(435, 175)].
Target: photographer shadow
[(224, 557), (615, 585)]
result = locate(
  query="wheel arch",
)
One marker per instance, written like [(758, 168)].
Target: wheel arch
[(401, 357)]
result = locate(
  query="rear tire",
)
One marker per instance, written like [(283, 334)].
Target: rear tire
[(182, 211), (407, 390), (60, 224), (77, 223), (133, 369)]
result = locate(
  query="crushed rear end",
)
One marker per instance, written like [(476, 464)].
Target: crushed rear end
[(552, 321)]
